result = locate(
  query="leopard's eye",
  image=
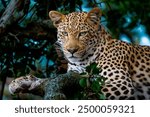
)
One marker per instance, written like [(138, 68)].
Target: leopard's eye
[(65, 33), (82, 33)]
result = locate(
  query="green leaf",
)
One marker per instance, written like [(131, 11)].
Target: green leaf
[(95, 71), (95, 86), (102, 97), (92, 68), (88, 69), (82, 82), (101, 80)]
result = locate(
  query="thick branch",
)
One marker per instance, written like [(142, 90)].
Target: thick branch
[(37, 30), (15, 10), (62, 87), (50, 88), (40, 30)]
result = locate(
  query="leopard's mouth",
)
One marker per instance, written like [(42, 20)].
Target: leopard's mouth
[(70, 58), (77, 55), (73, 56)]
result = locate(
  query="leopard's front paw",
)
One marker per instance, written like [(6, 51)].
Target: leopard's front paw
[(24, 84)]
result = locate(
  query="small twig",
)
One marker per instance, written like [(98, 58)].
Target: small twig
[(15, 36)]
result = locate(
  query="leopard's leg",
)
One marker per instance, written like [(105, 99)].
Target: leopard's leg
[(119, 85), (28, 83), (119, 91)]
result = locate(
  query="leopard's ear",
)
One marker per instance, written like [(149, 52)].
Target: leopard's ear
[(56, 17), (93, 17)]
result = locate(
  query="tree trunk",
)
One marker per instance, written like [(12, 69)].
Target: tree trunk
[(14, 11)]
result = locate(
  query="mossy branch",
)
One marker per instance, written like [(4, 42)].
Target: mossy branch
[(61, 87)]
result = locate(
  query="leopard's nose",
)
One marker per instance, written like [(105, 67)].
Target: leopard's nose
[(73, 50)]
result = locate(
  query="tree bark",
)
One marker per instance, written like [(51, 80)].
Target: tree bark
[(14, 11), (60, 87)]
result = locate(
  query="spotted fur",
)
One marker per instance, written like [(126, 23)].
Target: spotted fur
[(83, 41), (24, 84)]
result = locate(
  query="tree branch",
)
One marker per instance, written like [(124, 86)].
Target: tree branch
[(14, 11), (49, 88)]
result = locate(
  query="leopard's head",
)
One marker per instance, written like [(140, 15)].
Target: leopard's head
[(77, 33)]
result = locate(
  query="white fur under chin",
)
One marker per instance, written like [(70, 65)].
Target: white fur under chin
[(76, 68)]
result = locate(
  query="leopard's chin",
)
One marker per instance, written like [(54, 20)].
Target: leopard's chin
[(73, 59)]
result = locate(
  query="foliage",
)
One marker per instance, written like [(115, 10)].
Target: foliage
[(123, 16), (92, 83)]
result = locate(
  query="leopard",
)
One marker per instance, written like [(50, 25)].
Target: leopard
[(84, 40)]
